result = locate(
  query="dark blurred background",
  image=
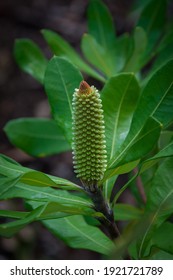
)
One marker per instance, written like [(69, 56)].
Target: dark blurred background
[(22, 96)]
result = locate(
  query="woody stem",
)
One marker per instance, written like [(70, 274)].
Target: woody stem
[(101, 205)]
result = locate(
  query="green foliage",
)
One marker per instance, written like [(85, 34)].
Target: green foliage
[(137, 96), (30, 58), (78, 234), (60, 94), (37, 137)]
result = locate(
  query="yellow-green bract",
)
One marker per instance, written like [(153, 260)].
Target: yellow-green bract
[(89, 145)]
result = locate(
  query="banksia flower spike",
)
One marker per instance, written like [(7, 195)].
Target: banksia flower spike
[(89, 145)]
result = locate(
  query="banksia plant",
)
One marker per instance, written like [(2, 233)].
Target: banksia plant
[(89, 145)]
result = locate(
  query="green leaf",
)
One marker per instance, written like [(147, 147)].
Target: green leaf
[(107, 61), (96, 55), (99, 45), (13, 171), (156, 96), (167, 151), (37, 137), (134, 150), (9, 229), (152, 21), (54, 210), (75, 232), (36, 178), (159, 201), (165, 138), (165, 55), (62, 197), (139, 46), (123, 51), (100, 24), (7, 183), (126, 212), (108, 186), (40, 179), (13, 214), (61, 79), (30, 58), (60, 47), (161, 255), (162, 238), (119, 98)]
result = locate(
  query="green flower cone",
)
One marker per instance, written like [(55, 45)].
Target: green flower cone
[(89, 145)]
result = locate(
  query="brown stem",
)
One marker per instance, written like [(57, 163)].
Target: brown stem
[(101, 205)]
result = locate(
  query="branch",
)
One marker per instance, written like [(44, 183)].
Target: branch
[(102, 206)]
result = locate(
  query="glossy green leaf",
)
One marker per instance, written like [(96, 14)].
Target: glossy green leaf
[(96, 55), (145, 141), (13, 214), (10, 169), (152, 20), (108, 186), (51, 210), (21, 190), (159, 201), (37, 137), (100, 24), (54, 210), (167, 151), (161, 190), (165, 138), (165, 55), (7, 183), (139, 46), (99, 45), (62, 48), (119, 98), (36, 178), (135, 150), (30, 58), (156, 98), (61, 79), (123, 51), (40, 179), (75, 232), (9, 229), (13, 171)]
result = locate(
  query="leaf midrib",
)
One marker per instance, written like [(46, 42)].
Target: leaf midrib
[(63, 82), (59, 197), (118, 115), (60, 180), (82, 233)]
